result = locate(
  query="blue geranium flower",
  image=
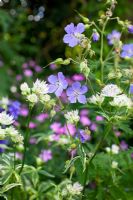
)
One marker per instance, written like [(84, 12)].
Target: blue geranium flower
[(76, 93), (127, 51), (57, 84), (73, 36)]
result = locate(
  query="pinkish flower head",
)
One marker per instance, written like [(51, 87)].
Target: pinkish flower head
[(32, 125), (55, 127), (24, 112), (71, 128), (41, 117), (38, 69), (84, 112), (19, 156), (28, 73), (53, 66), (78, 77), (19, 77), (93, 127), (32, 63), (118, 133), (123, 145), (33, 140), (55, 137), (46, 155), (25, 66), (99, 118), (85, 121)]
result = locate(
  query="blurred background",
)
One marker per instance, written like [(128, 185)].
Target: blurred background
[(31, 35)]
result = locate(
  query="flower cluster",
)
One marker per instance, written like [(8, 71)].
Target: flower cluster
[(74, 34), (37, 93), (113, 91), (9, 130)]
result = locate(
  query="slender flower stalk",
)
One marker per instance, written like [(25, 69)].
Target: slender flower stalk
[(26, 139), (101, 51), (107, 130)]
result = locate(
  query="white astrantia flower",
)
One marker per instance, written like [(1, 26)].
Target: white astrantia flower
[(108, 149), (114, 164), (75, 189), (15, 136), (40, 87), (4, 102), (96, 99), (72, 117), (115, 149), (6, 119), (32, 98), (25, 88), (45, 98), (111, 90), (121, 101)]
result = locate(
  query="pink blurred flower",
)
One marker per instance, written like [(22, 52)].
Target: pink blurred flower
[(33, 140), (78, 77), (19, 156), (32, 125), (25, 65), (24, 112), (84, 112), (38, 69), (57, 128), (85, 121), (19, 77), (118, 133), (32, 63), (53, 66), (99, 118), (55, 137), (93, 127), (123, 145), (41, 117), (46, 155), (71, 128), (28, 72)]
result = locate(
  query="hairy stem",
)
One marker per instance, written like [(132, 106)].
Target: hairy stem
[(101, 51), (26, 139), (107, 130)]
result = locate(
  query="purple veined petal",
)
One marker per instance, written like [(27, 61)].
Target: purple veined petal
[(82, 99), (59, 91), (83, 89), (70, 28), (76, 85), (72, 99), (70, 91), (73, 42), (64, 84), (80, 28), (67, 38), (61, 76), (52, 79), (62, 80), (52, 88)]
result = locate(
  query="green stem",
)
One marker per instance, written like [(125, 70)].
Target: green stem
[(107, 130), (26, 139), (101, 51)]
